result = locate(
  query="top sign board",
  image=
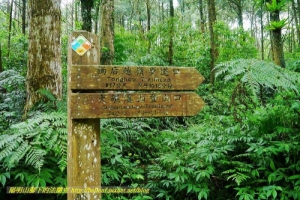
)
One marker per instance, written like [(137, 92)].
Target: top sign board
[(104, 77)]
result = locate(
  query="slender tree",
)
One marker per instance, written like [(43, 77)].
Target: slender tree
[(237, 7), (44, 50), (107, 32), (298, 9), (212, 18), (171, 33), (148, 7), (202, 19), (24, 17), (86, 14), (97, 14), (296, 19), (9, 28), (276, 25)]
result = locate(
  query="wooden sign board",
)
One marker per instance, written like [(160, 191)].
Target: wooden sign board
[(134, 78), (119, 105)]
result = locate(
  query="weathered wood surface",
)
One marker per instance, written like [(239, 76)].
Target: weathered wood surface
[(84, 167), (118, 105), (134, 78)]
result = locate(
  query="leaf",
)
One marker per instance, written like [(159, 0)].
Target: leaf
[(190, 188), (3, 180), (274, 193), (203, 194), (297, 176), (272, 165)]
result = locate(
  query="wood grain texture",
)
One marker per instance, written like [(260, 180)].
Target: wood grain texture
[(84, 167), (134, 78), (126, 105)]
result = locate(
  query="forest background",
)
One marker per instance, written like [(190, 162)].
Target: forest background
[(243, 145)]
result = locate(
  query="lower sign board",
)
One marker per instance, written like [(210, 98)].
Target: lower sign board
[(120, 105)]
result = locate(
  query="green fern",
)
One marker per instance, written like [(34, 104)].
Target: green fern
[(276, 5), (33, 140), (255, 73), (254, 79), (12, 98)]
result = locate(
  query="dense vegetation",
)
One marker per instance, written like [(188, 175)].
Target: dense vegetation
[(243, 145)]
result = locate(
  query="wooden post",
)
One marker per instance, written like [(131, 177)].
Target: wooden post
[(84, 163)]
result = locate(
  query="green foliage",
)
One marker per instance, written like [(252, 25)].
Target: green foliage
[(277, 25), (243, 43), (12, 98), (128, 46), (28, 143), (256, 73), (18, 52), (33, 151), (276, 5)]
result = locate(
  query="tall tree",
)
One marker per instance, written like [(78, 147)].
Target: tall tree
[(86, 14), (171, 33), (296, 18), (24, 17), (107, 32), (276, 25), (298, 9), (202, 20), (237, 7), (9, 27), (44, 50), (148, 7), (212, 18), (262, 31)]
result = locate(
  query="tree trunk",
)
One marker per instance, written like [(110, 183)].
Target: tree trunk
[(213, 38), (86, 14), (262, 32), (72, 15), (202, 20), (162, 12), (23, 17), (107, 32), (296, 22), (148, 6), (298, 9), (97, 7), (237, 7), (8, 7), (278, 54), (171, 33), (76, 14), (9, 28), (44, 50)]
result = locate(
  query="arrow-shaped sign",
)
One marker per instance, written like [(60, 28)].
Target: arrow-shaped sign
[(118, 105), (134, 78)]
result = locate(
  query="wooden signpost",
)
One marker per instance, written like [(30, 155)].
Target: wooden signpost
[(97, 91)]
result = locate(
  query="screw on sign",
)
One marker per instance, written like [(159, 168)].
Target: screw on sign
[(81, 45)]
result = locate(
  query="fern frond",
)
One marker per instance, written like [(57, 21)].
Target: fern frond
[(257, 72), (35, 157), (238, 177), (37, 137), (47, 93), (17, 155)]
